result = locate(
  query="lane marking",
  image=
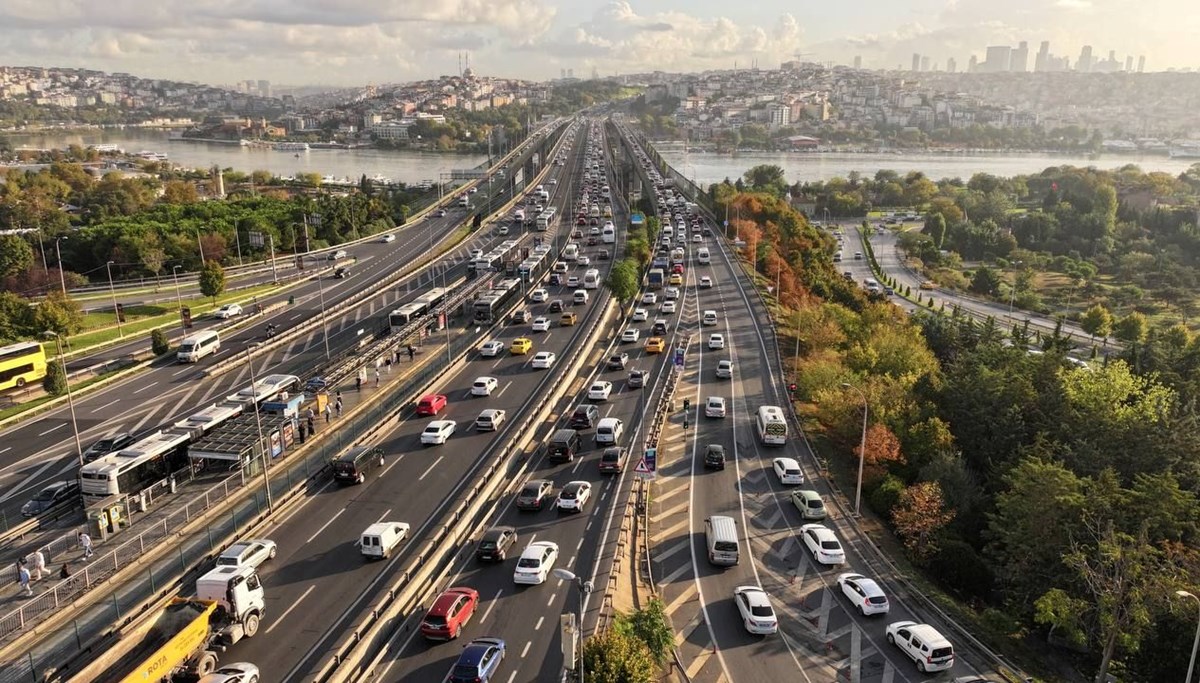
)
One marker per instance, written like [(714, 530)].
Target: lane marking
[(491, 604), (537, 627), (138, 391), (295, 604), (430, 468), (525, 651), (59, 426), (326, 526), (98, 409)]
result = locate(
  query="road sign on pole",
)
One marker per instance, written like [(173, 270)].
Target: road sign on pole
[(647, 467)]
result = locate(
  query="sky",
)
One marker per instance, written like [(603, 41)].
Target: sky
[(348, 43)]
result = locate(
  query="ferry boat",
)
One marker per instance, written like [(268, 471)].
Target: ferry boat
[(291, 146), (107, 148), (1188, 150), (151, 156)]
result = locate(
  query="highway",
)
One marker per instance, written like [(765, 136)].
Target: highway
[(42, 449)]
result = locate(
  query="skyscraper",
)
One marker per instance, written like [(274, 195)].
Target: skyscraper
[(1129, 63), (264, 88), (997, 60), (951, 65), (857, 61), (973, 65), (1043, 56), (1142, 64), (1019, 59), (1084, 64), (924, 62), (916, 62)]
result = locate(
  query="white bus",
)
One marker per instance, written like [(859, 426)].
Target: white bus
[(772, 425), (591, 279), (609, 234)]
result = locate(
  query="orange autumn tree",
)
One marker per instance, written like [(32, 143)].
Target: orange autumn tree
[(919, 516), (883, 447)]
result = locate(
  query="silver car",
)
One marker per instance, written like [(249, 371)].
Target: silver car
[(250, 553)]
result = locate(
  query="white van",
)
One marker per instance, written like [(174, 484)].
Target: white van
[(381, 538), (710, 317), (581, 296), (721, 537), (703, 257), (609, 431), (464, 200), (609, 234), (197, 346)]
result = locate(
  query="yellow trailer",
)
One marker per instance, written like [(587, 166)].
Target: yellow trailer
[(158, 646)]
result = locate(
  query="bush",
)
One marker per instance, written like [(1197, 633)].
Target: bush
[(961, 569), (55, 382), (159, 343), (886, 496)]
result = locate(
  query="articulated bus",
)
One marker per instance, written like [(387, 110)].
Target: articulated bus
[(136, 468), (21, 364), (772, 425), (488, 308)]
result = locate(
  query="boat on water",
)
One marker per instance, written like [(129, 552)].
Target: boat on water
[(1185, 151), (107, 148), (151, 156), (291, 146)]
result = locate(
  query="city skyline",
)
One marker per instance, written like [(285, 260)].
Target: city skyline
[(330, 43)]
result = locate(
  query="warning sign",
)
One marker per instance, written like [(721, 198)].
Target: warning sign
[(647, 467)]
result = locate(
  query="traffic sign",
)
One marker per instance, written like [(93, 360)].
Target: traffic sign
[(647, 467)]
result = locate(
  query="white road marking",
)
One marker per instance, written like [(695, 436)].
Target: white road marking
[(536, 627), (97, 409), (295, 604), (525, 651), (138, 391), (430, 468), (491, 604), (59, 426), (16, 489), (326, 526)]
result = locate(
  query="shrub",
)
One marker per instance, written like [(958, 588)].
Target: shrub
[(886, 496), (961, 569)]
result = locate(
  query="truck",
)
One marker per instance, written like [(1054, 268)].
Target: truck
[(656, 278), (182, 638)]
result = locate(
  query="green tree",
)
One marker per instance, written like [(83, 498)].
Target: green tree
[(16, 317), (935, 227), (55, 382), (159, 343), (212, 280), (180, 192), (651, 626), (1131, 329), (623, 280), (57, 313), (16, 256), (766, 178), (1097, 321), (617, 657), (986, 281)]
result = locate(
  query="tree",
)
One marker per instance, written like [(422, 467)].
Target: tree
[(212, 280), (985, 281), (179, 192), (16, 256), (919, 517), (159, 343), (55, 382), (766, 178), (1132, 328), (617, 657), (57, 313), (623, 280), (16, 317), (882, 448), (935, 227), (1097, 321), (651, 626)]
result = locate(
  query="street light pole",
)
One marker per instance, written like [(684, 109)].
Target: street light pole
[(70, 400), (585, 589), (200, 243), (178, 296), (1012, 292), (266, 455), (113, 290), (1196, 642), (62, 278), (862, 448)]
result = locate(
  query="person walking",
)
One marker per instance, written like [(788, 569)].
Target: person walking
[(23, 579), (37, 562), (338, 406), (328, 412), (85, 542), (411, 352), (376, 376), (312, 421), (388, 364)]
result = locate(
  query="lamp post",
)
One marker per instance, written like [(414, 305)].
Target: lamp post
[(1196, 641), (200, 243), (862, 448), (585, 589), (1012, 292), (113, 290), (175, 276), (62, 279), (266, 455), (70, 400)]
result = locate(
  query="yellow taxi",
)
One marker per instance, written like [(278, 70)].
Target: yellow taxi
[(655, 345), (568, 319), (675, 279), (520, 346)]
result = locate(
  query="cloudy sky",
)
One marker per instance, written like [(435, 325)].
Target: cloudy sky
[(344, 42)]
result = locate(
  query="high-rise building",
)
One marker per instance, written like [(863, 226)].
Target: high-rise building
[(264, 88), (997, 60), (1084, 64), (924, 62), (916, 62), (570, 74), (1043, 56), (1019, 59), (951, 65), (857, 61), (973, 65), (1142, 64), (1129, 63)]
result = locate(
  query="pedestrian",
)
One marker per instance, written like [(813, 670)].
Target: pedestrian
[(312, 423), (376, 376), (85, 542), (338, 406), (388, 365), (37, 562), (65, 572), (23, 579), (411, 352), (358, 383), (328, 412), (396, 355)]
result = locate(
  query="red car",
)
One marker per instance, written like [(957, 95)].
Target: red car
[(677, 269), (431, 404), (450, 613)]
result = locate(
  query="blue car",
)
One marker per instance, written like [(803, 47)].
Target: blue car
[(479, 661)]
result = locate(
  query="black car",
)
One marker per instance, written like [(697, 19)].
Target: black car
[(109, 444), (714, 457), (556, 278), (584, 417), (494, 545), (637, 379), (534, 494), (341, 273), (51, 496), (520, 317)]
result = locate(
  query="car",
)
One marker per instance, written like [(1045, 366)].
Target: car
[(716, 341), (574, 496), (602, 255), (520, 346), (494, 545), (491, 349), (922, 643), (478, 662), (697, 239), (431, 404), (490, 419), (660, 327), (585, 416), (649, 298), (251, 553), (583, 261), (536, 562), (858, 256), (714, 457), (667, 307), (541, 324), (449, 613), (438, 432), (755, 607), (675, 279), (823, 545), (341, 273), (788, 471), (534, 494), (630, 335), (613, 459), (228, 311), (476, 253), (542, 360), (655, 345), (556, 306), (640, 315), (573, 281), (520, 317), (539, 295), (848, 275), (724, 369), (599, 390), (714, 406), (618, 361), (671, 293), (560, 267), (109, 444), (234, 672), (927, 285), (864, 593), (440, 213), (484, 386), (50, 496), (809, 504), (637, 379), (568, 319)]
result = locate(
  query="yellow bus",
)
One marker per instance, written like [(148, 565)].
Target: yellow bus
[(21, 363)]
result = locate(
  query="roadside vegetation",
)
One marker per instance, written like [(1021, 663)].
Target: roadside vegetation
[(1053, 506)]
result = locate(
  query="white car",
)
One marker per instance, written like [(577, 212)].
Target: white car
[(476, 253), (438, 432), (491, 349), (724, 369), (542, 360), (539, 295), (714, 406), (823, 545), (716, 341), (697, 239), (541, 324), (630, 335), (490, 420), (536, 562), (640, 315), (755, 607), (671, 293), (922, 643), (864, 593), (228, 311), (560, 267), (583, 261), (649, 298), (705, 282), (599, 390), (574, 495), (250, 553), (573, 282), (388, 239), (788, 471), (484, 386), (235, 672), (668, 307)]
